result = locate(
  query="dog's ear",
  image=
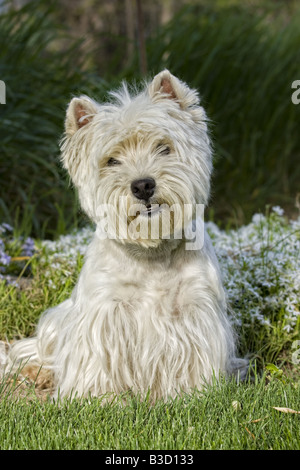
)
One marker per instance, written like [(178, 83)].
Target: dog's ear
[(167, 86), (79, 113)]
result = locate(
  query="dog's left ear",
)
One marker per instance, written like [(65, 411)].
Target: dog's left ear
[(167, 86), (79, 113)]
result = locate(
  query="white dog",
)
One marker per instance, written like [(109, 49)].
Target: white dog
[(148, 313)]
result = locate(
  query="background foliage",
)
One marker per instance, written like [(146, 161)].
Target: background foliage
[(40, 80)]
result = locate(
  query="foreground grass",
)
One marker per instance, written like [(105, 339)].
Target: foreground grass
[(225, 416)]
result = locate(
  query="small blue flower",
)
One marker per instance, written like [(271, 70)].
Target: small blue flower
[(4, 258), (5, 228), (28, 247)]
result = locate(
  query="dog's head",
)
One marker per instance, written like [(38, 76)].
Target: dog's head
[(140, 160)]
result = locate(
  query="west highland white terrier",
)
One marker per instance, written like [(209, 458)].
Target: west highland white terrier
[(148, 313)]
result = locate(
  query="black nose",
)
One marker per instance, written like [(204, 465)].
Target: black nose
[(143, 188)]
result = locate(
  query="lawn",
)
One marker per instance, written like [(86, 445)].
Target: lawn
[(225, 416), (260, 266)]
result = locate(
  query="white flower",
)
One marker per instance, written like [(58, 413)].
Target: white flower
[(258, 218), (278, 210), (260, 265)]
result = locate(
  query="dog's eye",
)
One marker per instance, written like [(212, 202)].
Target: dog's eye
[(113, 162), (163, 149)]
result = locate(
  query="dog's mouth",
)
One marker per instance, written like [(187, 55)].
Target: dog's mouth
[(150, 210)]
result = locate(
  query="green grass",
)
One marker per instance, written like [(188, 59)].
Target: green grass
[(21, 308), (225, 416)]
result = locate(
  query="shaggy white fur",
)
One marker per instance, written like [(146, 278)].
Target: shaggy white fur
[(147, 314)]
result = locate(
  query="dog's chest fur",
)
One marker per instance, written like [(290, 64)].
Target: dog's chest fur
[(168, 284), (145, 328)]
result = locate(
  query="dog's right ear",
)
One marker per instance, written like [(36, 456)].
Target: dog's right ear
[(79, 113)]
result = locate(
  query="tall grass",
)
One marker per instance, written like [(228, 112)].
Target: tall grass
[(243, 64), (40, 79)]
